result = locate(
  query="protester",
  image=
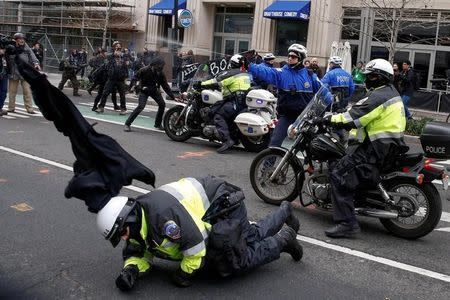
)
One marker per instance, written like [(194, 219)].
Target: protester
[(397, 77), (357, 73), (69, 68), (82, 61), (409, 83), (26, 54), (314, 66), (37, 50)]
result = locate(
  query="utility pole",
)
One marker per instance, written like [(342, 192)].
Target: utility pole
[(175, 45)]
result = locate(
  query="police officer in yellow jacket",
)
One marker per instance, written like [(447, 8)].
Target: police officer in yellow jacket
[(377, 124), (170, 223), (234, 84)]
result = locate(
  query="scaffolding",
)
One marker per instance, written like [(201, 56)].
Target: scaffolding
[(60, 26)]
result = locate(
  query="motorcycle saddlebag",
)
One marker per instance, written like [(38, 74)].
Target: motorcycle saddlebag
[(251, 125), (435, 140)]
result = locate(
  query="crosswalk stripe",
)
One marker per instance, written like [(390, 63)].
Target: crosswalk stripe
[(8, 117), (18, 115)]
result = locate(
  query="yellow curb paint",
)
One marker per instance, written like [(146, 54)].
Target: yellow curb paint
[(22, 207)]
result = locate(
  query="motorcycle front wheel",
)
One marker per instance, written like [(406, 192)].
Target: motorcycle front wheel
[(424, 214), (284, 187), (174, 129), (255, 144)]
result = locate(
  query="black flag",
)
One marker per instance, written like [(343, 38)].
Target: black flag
[(102, 166)]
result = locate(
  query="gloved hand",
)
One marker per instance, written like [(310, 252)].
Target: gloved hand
[(197, 85), (325, 121), (181, 278), (125, 281)]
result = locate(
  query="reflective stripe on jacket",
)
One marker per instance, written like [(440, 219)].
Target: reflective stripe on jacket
[(182, 203), (231, 81), (381, 116)]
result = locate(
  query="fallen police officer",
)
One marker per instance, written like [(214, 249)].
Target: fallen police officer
[(200, 222)]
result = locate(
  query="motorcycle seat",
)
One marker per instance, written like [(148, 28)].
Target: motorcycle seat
[(408, 159)]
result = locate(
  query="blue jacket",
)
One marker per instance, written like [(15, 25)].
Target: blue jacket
[(296, 86), (340, 82)]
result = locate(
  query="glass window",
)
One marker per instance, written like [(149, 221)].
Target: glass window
[(419, 33), (218, 25), (243, 46), (351, 29), (288, 33), (401, 56), (442, 65), (217, 47), (242, 24), (380, 31), (379, 52), (444, 34)]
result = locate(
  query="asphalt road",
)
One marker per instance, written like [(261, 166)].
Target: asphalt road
[(52, 249)]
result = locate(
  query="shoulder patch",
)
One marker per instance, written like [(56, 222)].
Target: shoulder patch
[(172, 230), (307, 85)]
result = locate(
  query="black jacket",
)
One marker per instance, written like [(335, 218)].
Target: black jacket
[(117, 69), (408, 82), (102, 166), (150, 79)]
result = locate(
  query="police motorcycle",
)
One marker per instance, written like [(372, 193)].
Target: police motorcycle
[(253, 127), (405, 200)]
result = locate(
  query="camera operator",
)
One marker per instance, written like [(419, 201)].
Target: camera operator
[(26, 54)]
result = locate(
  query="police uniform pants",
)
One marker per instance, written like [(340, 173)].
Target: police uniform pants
[(262, 247), (73, 79), (111, 87), (280, 131), (156, 95), (224, 118), (357, 170)]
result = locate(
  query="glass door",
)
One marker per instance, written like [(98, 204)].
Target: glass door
[(229, 46), (422, 64), (243, 45)]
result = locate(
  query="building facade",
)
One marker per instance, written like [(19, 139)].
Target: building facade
[(227, 27)]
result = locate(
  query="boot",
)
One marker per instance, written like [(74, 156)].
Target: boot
[(226, 146), (126, 128), (287, 240), (99, 110), (291, 221), (343, 230)]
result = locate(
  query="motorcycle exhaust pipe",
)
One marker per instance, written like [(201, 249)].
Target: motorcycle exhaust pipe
[(376, 213)]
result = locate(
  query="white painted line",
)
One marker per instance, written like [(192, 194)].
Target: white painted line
[(381, 260), (378, 259), (446, 229), (18, 115), (8, 117)]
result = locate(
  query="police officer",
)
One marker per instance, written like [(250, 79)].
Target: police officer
[(69, 68), (377, 123), (296, 87), (150, 78), (234, 84), (169, 223), (340, 82)]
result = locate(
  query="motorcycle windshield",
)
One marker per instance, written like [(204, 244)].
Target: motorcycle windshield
[(201, 74), (315, 108)]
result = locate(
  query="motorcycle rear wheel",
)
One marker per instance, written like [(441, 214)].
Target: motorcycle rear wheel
[(427, 215), (176, 131), (283, 188)]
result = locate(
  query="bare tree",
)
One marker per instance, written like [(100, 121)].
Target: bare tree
[(394, 17)]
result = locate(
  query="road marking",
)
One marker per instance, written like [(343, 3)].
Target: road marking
[(381, 260), (18, 115), (8, 117), (44, 171), (189, 154), (378, 259), (446, 229), (22, 207)]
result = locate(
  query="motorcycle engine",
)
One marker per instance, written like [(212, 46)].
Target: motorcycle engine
[(321, 191), (204, 114)]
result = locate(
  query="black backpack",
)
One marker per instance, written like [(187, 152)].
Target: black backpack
[(226, 247)]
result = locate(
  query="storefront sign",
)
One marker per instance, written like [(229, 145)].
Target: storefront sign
[(185, 18), (285, 14)]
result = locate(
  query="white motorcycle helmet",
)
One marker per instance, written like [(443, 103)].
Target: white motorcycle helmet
[(335, 60), (268, 56), (379, 67), (236, 61), (111, 218), (300, 50)]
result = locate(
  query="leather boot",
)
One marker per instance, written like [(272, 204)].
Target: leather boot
[(287, 240), (343, 230)]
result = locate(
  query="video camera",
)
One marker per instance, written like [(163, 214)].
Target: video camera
[(7, 43)]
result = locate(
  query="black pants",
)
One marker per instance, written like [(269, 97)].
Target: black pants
[(73, 79), (262, 247), (357, 170), (110, 87), (101, 88), (143, 102), (224, 117)]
